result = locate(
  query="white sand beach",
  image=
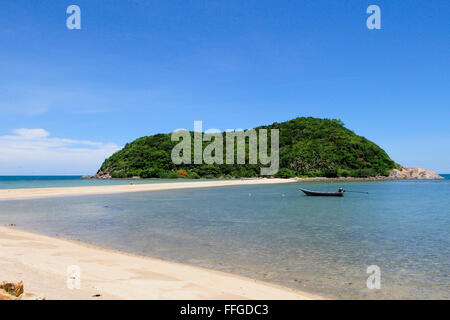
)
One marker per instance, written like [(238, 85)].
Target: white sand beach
[(11, 194), (41, 262)]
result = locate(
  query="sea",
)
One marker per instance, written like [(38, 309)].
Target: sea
[(24, 182), (327, 246)]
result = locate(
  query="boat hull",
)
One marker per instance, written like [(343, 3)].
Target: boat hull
[(322, 194)]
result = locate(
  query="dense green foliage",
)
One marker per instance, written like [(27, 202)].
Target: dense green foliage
[(308, 147)]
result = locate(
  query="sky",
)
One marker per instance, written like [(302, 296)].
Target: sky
[(70, 98)]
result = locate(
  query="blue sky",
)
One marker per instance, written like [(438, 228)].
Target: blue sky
[(69, 98)]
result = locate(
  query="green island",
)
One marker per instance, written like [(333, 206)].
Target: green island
[(309, 147)]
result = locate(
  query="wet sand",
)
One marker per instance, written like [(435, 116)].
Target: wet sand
[(42, 262)]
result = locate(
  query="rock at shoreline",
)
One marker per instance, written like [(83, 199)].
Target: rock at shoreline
[(101, 175), (413, 173)]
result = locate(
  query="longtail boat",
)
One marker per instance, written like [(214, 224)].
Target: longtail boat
[(340, 193)]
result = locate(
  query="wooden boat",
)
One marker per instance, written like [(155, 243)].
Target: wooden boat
[(340, 193)]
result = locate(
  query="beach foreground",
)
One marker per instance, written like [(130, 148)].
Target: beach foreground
[(41, 262)]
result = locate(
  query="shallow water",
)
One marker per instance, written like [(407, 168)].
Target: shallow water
[(272, 232), (24, 182)]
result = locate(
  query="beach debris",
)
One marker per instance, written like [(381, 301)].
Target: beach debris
[(96, 295), (14, 291), (6, 296), (13, 288)]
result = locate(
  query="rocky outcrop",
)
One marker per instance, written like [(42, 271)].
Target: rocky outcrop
[(413, 173), (101, 175)]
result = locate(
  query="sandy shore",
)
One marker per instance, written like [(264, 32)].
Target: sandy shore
[(10, 194), (42, 262)]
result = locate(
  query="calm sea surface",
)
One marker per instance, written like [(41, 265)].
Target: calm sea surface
[(18, 182), (272, 232)]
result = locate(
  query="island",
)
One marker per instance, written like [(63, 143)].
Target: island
[(308, 148)]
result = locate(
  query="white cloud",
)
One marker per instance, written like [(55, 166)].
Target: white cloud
[(34, 151), (31, 133)]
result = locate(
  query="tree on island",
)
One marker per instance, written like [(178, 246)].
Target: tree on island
[(309, 147)]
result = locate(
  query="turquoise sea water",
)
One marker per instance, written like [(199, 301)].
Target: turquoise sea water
[(18, 182), (272, 232)]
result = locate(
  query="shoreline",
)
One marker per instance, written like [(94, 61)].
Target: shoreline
[(30, 193), (41, 262)]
